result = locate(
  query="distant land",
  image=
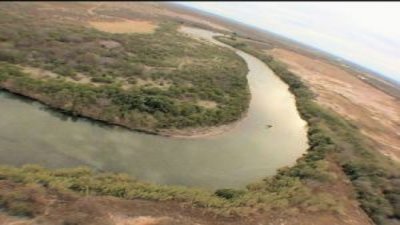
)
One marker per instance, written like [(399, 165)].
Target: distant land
[(271, 39)]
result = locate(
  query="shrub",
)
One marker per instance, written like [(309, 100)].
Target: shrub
[(229, 193)]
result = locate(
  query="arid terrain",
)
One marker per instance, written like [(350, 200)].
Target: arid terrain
[(375, 113), (55, 208)]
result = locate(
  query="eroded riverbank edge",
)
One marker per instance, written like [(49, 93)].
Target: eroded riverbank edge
[(188, 133)]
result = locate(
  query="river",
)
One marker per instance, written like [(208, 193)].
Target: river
[(32, 133)]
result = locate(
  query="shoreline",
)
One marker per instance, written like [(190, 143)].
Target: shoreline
[(203, 132), (185, 133)]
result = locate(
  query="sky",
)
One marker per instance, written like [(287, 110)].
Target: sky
[(367, 33)]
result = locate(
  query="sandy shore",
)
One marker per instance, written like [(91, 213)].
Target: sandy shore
[(202, 132)]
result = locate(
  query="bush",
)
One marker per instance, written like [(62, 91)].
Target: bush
[(103, 79), (229, 193), (16, 208)]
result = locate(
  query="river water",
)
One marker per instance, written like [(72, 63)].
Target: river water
[(32, 133)]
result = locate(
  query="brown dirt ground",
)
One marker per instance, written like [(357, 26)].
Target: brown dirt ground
[(151, 9), (154, 8), (207, 104), (376, 113), (54, 208)]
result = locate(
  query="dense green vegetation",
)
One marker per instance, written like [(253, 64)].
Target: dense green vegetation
[(142, 81), (375, 178)]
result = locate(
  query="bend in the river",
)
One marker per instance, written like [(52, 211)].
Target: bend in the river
[(251, 150)]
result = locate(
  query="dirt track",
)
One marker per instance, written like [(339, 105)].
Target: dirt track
[(376, 113)]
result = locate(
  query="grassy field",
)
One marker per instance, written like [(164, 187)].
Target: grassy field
[(146, 81)]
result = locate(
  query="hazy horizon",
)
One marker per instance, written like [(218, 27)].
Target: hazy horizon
[(361, 32)]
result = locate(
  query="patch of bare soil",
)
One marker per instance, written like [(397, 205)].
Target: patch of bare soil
[(151, 10), (200, 132), (207, 104), (154, 8), (140, 220), (80, 78), (195, 19), (159, 83), (125, 26), (376, 113), (38, 73)]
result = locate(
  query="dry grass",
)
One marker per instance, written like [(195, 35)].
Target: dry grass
[(160, 83), (42, 74), (126, 26), (80, 78), (38, 73), (376, 113)]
